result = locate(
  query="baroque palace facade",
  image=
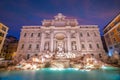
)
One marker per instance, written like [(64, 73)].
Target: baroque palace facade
[(60, 36)]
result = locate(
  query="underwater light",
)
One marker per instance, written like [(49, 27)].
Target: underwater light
[(104, 67), (110, 52), (76, 69), (59, 69)]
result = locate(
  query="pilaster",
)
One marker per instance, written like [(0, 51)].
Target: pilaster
[(68, 41), (42, 41), (78, 41), (51, 41)]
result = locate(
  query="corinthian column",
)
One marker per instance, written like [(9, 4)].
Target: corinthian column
[(42, 41), (68, 41), (51, 42), (78, 41)]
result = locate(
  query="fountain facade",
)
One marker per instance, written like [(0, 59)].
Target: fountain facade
[(61, 37)]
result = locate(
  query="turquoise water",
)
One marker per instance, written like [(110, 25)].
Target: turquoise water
[(66, 74)]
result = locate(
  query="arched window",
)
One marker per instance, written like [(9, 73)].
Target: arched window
[(81, 35), (88, 34), (98, 46), (28, 56), (37, 46), (25, 34), (90, 46), (83, 46), (38, 34), (31, 34), (22, 46)]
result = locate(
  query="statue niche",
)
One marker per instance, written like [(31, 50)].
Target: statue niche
[(60, 46), (74, 45), (46, 47)]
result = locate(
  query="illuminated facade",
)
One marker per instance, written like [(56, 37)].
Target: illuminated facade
[(60, 36), (112, 35), (3, 33), (9, 47)]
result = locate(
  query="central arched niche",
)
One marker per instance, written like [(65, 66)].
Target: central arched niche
[(59, 36)]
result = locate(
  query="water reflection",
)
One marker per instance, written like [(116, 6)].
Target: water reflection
[(65, 74)]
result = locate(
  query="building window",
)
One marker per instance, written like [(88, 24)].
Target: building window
[(38, 34), (109, 27), (83, 46), (118, 29), (1, 34), (3, 28), (105, 31), (28, 56), (22, 46), (81, 35), (110, 47), (31, 34), (95, 34), (100, 55), (114, 40), (88, 34), (98, 46), (29, 46), (115, 22), (25, 34), (112, 33), (90, 46), (37, 46), (0, 41)]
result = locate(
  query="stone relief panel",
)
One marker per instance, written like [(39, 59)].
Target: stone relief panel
[(73, 35), (47, 35)]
